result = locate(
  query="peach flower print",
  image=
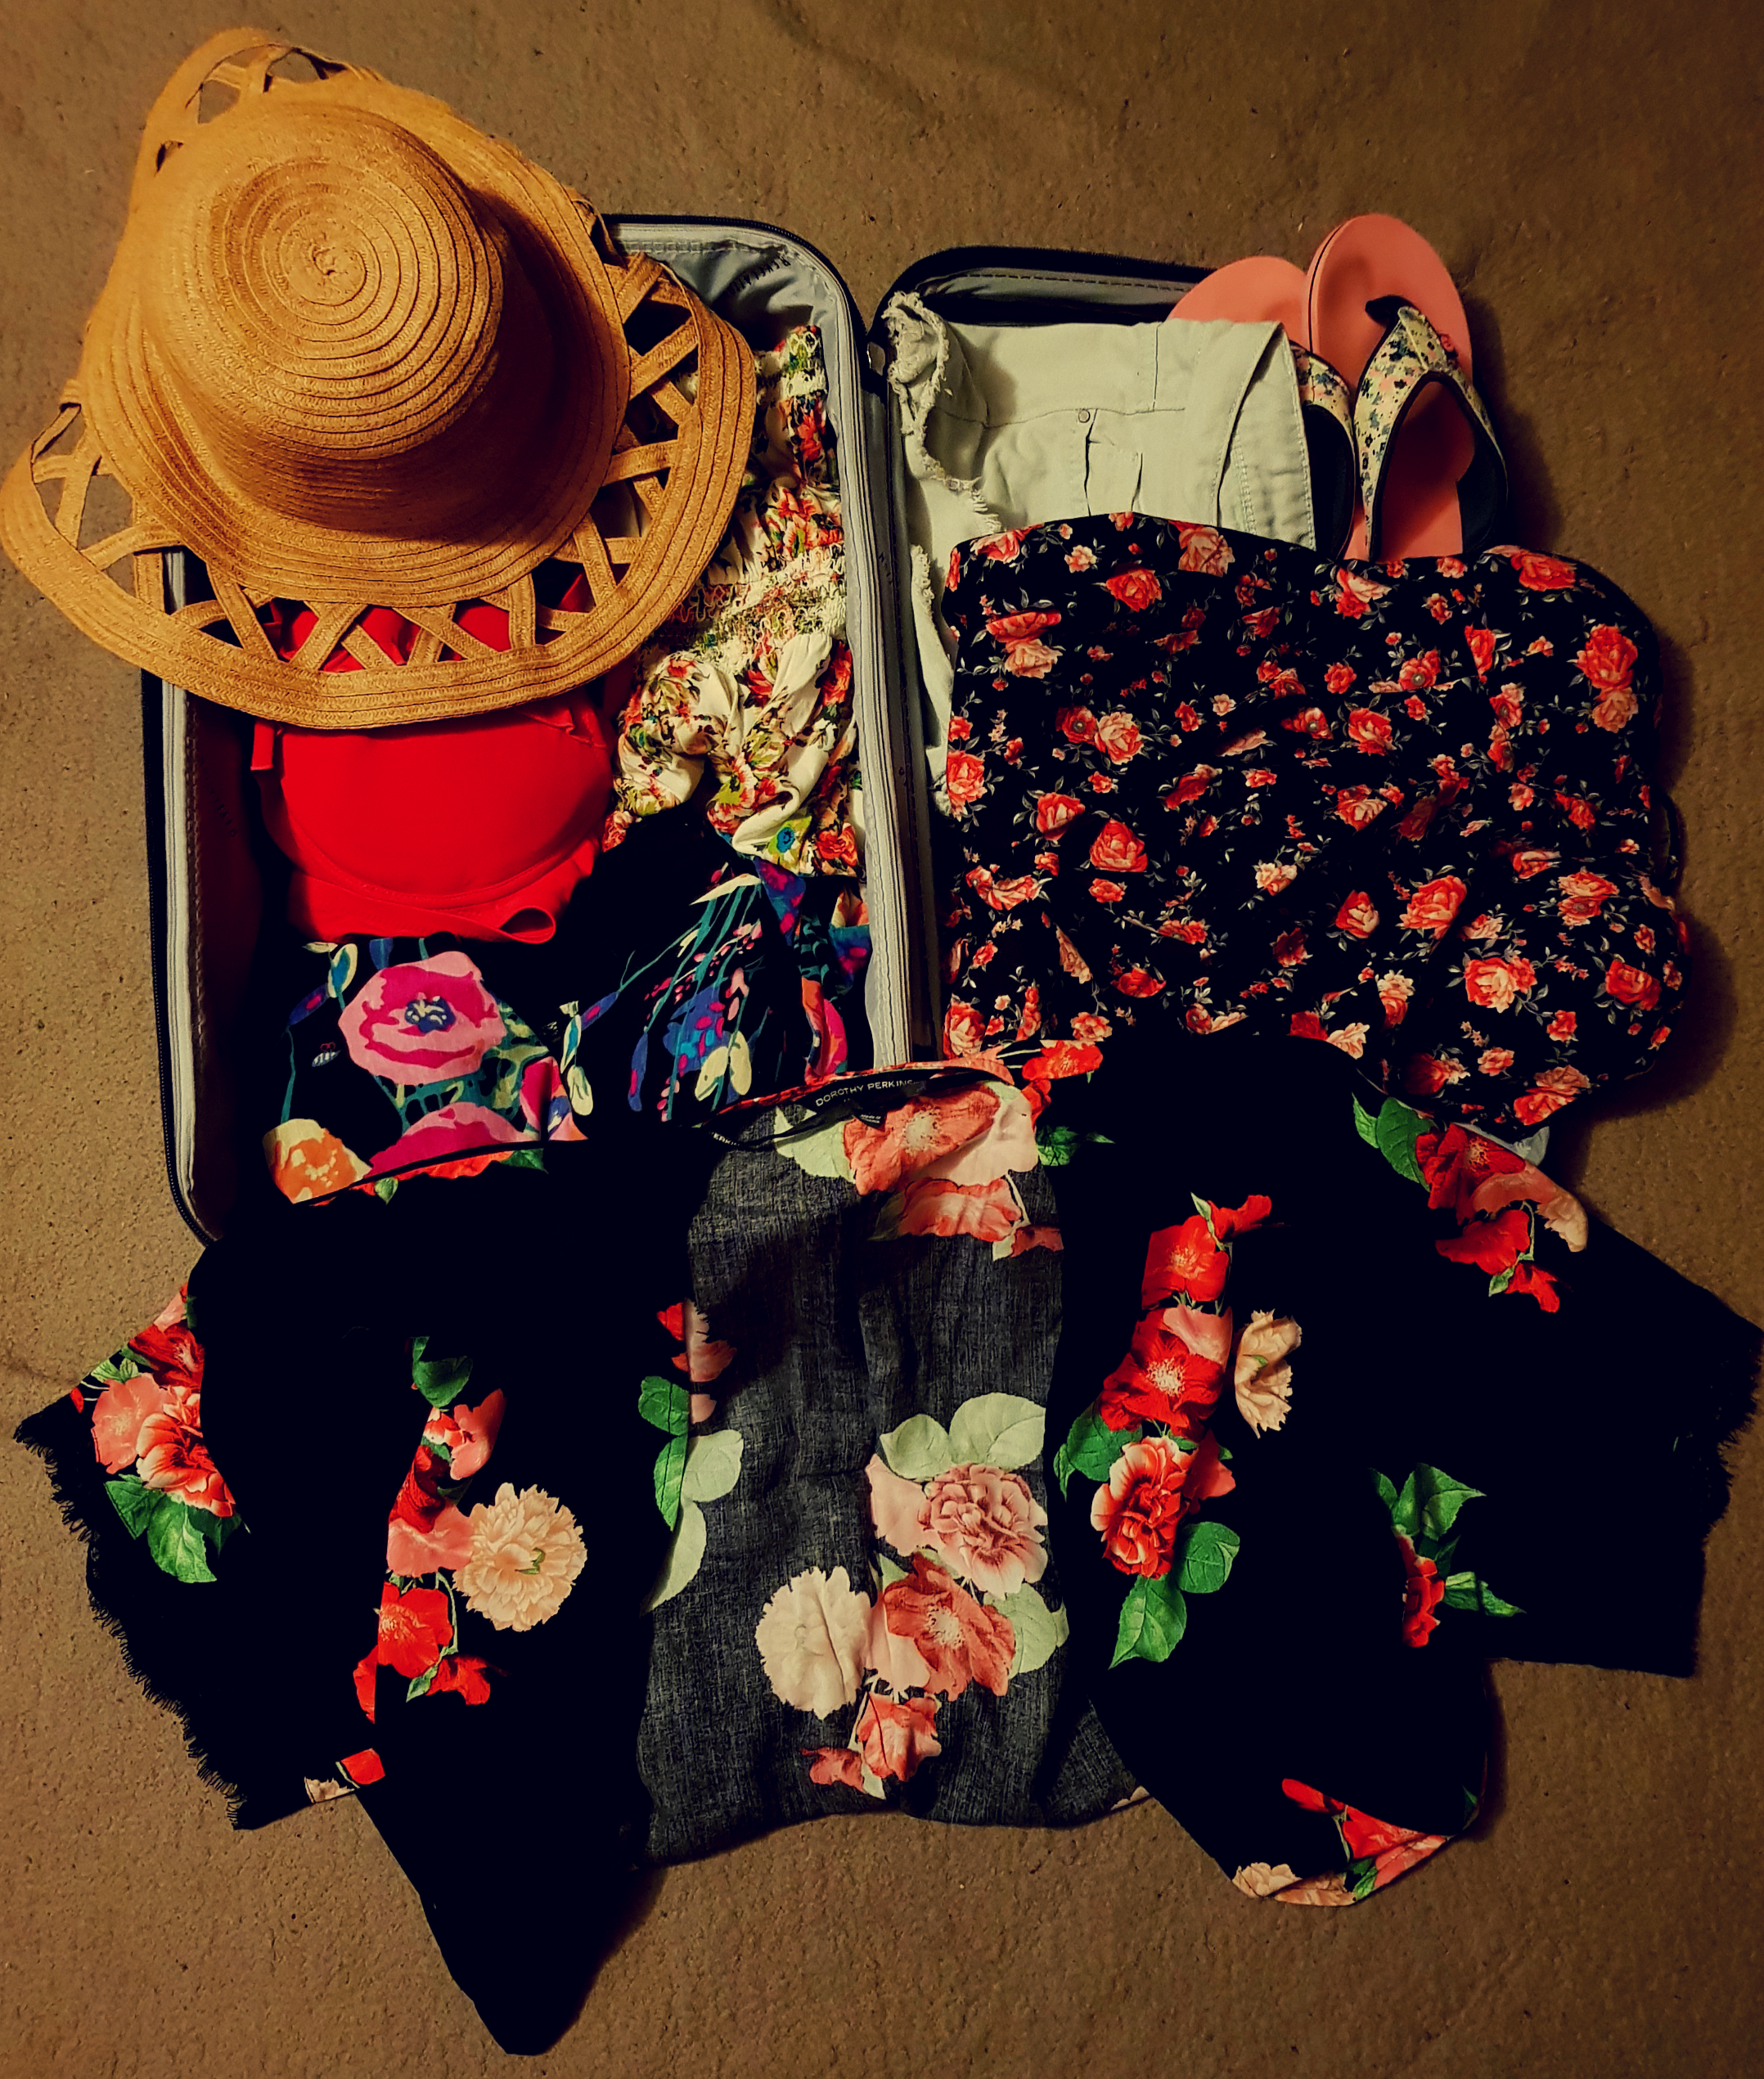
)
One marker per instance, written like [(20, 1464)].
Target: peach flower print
[(956, 1639), (892, 1657), (1394, 991), (1263, 1378), (172, 1457), (1139, 1509), (915, 1135), (1135, 589), (895, 1738), (812, 1637), (1261, 1880), (1553, 1089), (1019, 635), (987, 1525), (478, 1427), (897, 1507), (413, 1549), (964, 778), (934, 1206), (526, 1554), (1563, 1213), (836, 1765), (117, 1419), (1203, 549), (1008, 1143)]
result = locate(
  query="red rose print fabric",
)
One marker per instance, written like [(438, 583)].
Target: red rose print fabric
[(1403, 809), (1338, 1385)]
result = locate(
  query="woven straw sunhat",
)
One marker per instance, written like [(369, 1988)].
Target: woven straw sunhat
[(353, 353)]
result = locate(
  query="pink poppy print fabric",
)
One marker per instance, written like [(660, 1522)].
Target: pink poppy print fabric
[(1203, 779)]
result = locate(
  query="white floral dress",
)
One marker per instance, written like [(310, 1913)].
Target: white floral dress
[(746, 693)]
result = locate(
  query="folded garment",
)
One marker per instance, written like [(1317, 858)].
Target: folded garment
[(861, 1611), (1005, 425), (1203, 779), (483, 827), (683, 979), (750, 680)]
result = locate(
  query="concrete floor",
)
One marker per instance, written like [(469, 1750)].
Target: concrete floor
[(1590, 175)]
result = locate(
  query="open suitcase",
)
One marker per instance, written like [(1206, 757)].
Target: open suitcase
[(209, 860), (1027, 1310)]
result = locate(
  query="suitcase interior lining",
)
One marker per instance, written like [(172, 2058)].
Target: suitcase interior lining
[(212, 875)]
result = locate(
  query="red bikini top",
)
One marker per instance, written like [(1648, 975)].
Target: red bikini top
[(482, 827)]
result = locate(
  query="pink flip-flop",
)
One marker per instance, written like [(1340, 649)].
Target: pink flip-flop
[(1264, 289), (1248, 292), (1381, 306)]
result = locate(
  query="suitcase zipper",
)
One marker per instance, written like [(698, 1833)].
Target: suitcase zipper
[(156, 697), (1053, 268)]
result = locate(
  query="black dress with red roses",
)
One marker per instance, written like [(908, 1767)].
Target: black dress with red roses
[(1404, 807)]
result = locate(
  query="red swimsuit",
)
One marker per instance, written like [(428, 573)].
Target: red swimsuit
[(482, 827)]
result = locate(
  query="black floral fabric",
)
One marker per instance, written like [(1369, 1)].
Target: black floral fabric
[(1208, 779), (1282, 1499)]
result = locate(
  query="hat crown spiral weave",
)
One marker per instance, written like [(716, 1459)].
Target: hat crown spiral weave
[(354, 354), (337, 321)]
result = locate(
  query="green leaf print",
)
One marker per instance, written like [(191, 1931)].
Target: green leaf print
[(670, 1472), (918, 1450), (178, 1548), (1056, 1146), (1424, 1512), (440, 1380), (1365, 1125), (1000, 1429), (1441, 1498), (134, 1501), (1398, 1129), (216, 1529), (686, 1556), (1091, 1448), (1463, 1591), (1204, 1553), (1039, 1632), (666, 1403), (1405, 1512), (1152, 1620), (820, 1154), (712, 1466)]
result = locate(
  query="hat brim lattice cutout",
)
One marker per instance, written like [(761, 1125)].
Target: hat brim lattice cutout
[(653, 523)]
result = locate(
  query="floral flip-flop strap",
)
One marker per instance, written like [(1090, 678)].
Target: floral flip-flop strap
[(1322, 385), (1325, 400), (1411, 353)]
